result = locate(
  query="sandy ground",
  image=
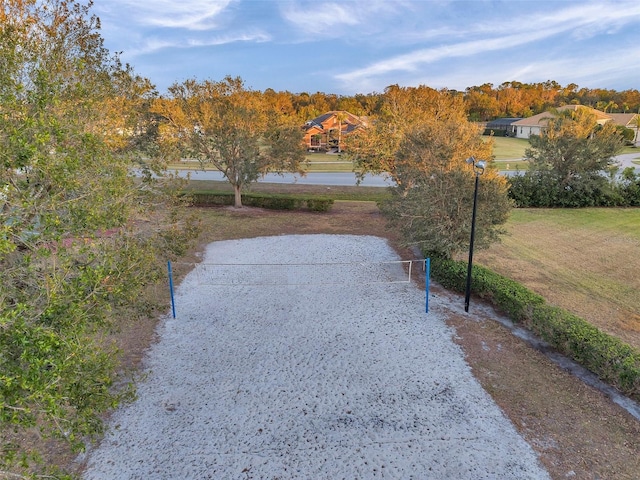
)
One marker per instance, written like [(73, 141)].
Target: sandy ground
[(308, 374)]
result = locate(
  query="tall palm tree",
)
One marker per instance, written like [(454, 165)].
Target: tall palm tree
[(341, 117), (636, 123)]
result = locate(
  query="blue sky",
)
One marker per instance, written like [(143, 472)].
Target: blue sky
[(361, 46)]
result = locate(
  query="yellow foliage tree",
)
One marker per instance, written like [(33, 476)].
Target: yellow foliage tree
[(422, 140), (225, 125)]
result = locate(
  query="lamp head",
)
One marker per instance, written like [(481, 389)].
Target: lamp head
[(478, 165)]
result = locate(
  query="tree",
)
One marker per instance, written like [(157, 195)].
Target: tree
[(569, 161), (71, 257), (433, 209), (636, 128), (422, 141), (481, 101), (225, 125), (341, 116), (373, 150)]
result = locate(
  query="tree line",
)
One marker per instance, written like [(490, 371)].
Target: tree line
[(481, 103), (516, 99)]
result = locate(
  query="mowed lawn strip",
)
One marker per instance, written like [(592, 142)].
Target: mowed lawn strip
[(584, 260), (338, 192), (508, 148)]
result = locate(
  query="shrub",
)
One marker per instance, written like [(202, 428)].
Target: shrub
[(629, 188), (536, 189), (513, 298), (210, 199), (272, 202), (612, 360), (319, 204)]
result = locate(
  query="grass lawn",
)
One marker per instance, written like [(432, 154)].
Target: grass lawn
[(511, 165), (584, 260), (316, 162), (356, 193), (507, 152), (508, 148), (628, 149), (323, 162)]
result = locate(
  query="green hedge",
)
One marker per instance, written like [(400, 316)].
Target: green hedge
[(207, 199), (614, 361), (273, 202)]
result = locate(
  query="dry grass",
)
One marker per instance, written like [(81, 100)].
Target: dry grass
[(586, 261)]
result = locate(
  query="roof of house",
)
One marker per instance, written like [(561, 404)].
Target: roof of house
[(542, 119), (625, 119), (599, 115), (349, 122), (502, 122), (322, 118)]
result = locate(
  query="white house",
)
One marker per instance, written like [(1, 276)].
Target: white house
[(535, 125), (629, 120)]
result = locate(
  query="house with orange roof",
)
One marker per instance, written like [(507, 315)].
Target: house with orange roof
[(327, 132)]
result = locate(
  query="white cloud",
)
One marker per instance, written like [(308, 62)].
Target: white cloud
[(365, 45), (602, 69), (415, 60), (327, 18), (257, 37), (324, 17), (154, 44), (187, 14)]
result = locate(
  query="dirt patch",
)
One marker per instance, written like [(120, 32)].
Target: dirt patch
[(577, 431)]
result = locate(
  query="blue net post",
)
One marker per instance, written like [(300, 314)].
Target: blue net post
[(173, 303), (427, 274)]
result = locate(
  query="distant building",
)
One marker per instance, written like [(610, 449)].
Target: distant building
[(501, 127), (327, 132), (628, 120), (526, 127)]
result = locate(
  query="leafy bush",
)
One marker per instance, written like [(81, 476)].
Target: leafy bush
[(513, 298), (614, 361), (536, 189), (211, 199), (319, 204), (544, 190), (272, 202), (449, 273), (567, 161), (629, 188)]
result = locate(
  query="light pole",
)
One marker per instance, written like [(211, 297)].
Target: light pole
[(478, 168)]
